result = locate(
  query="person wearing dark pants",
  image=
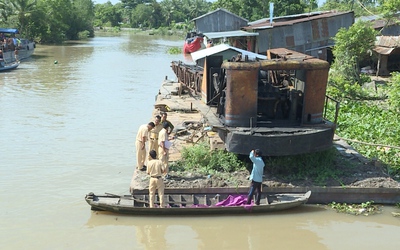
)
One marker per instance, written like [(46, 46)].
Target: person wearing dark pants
[(256, 175)]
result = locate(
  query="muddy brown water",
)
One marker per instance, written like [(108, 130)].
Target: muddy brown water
[(67, 129)]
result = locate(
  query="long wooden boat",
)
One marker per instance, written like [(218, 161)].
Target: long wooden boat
[(194, 203)]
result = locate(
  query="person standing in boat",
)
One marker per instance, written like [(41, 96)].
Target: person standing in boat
[(155, 168), (153, 143), (164, 145), (164, 116), (256, 175), (141, 138)]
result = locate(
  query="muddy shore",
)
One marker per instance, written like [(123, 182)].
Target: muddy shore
[(184, 112)]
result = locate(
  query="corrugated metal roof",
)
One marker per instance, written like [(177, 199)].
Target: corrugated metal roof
[(388, 41), (378, 22), (383, 50), (281, 21), (235, 33), (279, 18), (222, 47), (219, 9), (385, 45)]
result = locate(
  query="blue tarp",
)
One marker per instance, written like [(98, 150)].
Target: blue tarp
[(6, 30)]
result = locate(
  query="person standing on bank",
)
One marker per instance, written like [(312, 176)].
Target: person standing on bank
[(163, 145), (141, 138), (256, 175), (153, 143), (164, 119), (155, 168)]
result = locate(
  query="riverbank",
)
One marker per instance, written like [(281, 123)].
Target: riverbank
[(185, 112)]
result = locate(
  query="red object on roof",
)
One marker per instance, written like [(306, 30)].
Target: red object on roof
[(192, 44)]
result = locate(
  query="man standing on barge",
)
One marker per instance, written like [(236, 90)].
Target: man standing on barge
[(256, 175), (164, 116), (141, 138), (164, 145), (153, 143), (155, 168)]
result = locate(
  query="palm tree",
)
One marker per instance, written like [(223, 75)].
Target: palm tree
[(5, 9), (23, 10)]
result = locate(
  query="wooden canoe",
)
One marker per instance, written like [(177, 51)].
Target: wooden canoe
[(191, 203)]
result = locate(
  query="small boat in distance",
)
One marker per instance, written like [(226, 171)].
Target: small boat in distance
[(188, 202), (15, 48)]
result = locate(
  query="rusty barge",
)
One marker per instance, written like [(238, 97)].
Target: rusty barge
[(278, 105)]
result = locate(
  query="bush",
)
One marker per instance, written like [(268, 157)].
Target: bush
[(83, 35), (201, 159)]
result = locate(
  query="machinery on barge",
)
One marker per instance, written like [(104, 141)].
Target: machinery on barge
[(278, 105)]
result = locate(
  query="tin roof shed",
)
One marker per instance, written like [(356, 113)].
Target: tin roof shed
[(219, 20), (309, 33)]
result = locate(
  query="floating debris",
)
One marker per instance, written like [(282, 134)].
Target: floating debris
[(366, 208)]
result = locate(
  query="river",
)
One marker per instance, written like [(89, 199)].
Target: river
[(68, 120)]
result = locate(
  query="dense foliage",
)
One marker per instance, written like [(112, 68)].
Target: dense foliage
[(368, 116), (352, 46), (49, 20)]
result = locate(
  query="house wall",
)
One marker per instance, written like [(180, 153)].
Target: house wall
[(393, 30), (309, 37), (219, 21)]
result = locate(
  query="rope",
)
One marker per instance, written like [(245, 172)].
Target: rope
[(371, 144), (362, 6)]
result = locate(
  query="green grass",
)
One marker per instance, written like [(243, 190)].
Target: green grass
[(316, 167), (201, 159)]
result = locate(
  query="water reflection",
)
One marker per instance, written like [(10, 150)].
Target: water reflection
[(215, 232)]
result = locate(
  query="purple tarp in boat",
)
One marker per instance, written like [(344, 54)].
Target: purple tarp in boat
[(234, 200)]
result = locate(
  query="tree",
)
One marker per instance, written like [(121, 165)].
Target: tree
[(22, 9), (352, 45), (82, 16), (107, 13), (257, 9), (133, 3), (359, 7), (141, 14)]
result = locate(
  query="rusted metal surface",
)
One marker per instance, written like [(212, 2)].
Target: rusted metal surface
[(189, 75), (276, 105), (314, 96), (241, 97)]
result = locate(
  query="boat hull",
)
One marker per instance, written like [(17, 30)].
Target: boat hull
[(9, 66), (278, 141), (23, 53), (138, 204)]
